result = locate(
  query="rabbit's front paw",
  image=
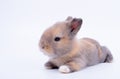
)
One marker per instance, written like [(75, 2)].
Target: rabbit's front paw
[(50, 65), (64, 69)]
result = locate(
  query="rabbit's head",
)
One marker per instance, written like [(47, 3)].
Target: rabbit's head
[(59, 38)]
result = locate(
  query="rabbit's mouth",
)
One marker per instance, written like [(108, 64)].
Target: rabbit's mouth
[(47, 51)]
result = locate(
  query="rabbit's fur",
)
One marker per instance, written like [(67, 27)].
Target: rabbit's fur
[(68, 53)]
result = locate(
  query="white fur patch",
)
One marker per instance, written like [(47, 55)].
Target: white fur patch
[(64, 69)]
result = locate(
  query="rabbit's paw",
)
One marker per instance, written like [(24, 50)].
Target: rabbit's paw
[(64, 69), (50, 65)]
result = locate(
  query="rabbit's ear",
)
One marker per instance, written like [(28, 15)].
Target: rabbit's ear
[(74, 26), (69, 18)]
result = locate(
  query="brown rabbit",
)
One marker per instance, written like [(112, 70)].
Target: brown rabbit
[(66, 52)]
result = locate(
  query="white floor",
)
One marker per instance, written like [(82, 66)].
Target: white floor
[(23, 21)]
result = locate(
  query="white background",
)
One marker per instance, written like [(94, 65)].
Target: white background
[(23, 21)]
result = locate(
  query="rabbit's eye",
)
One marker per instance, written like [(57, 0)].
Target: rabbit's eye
[(57, 38)]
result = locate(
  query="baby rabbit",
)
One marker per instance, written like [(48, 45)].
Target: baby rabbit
[(66, 52)]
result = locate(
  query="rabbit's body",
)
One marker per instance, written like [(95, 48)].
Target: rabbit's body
[(68, 53)]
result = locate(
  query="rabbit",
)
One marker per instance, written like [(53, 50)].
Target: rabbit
[(66, 52)]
